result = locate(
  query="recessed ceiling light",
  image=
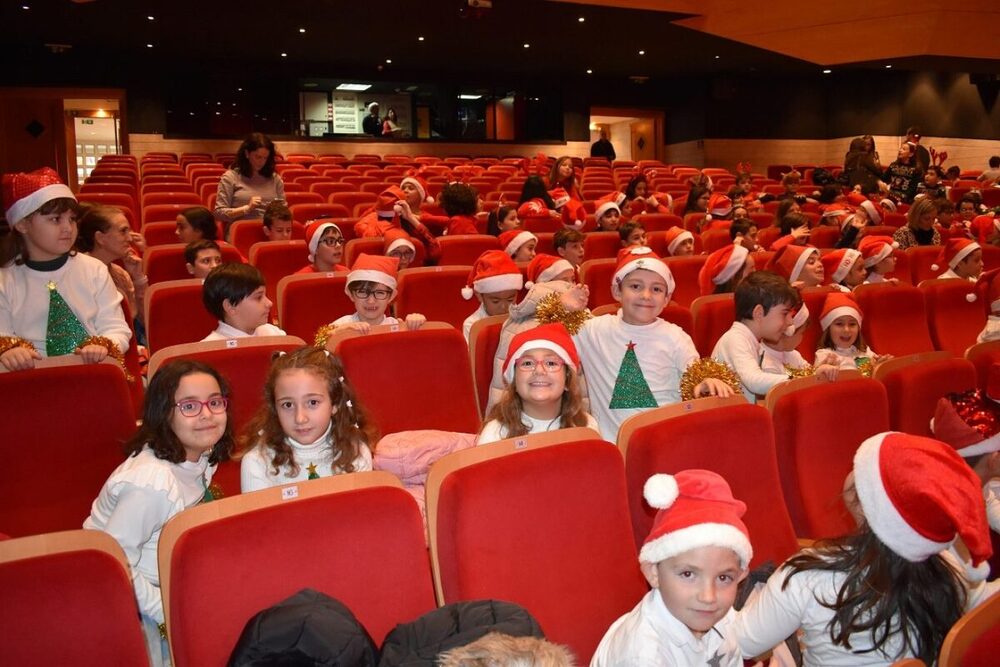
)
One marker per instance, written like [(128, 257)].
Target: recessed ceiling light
[(888, 66), (581, 19), (590, 71), (284, 55), (302, 29), (150, 18), (25, 7), (642, 53), (827, 71), (420, 39), (527, 46), (717, 57), (388, 61), (239, 90), (470, 97), (354, 86), (149, 46)]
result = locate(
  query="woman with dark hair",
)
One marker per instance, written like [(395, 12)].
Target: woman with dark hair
[(390, 126), (251, 182), (860, 165)]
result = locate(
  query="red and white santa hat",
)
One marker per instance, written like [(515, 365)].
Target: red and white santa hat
[(387, 205), (719, 205), (515, 238), (918, 495), (640, 257), (494, 271), (553, 337), (676, 236), (838, 263), (837, 213), (608, 202), (954, 251), (874, 212), (559, 197), (874, 249), (696, 509), (721, 266), (798, 320), (789, 261), (396, 238), (314, 232), (420, 184), (987, 286), (373, 268), (968, 421), (24, 193), (839, 304), (543, 268), (532, 208)]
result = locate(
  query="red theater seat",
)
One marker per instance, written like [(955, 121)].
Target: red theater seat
[(602, 245), (813, 298), (712, 316), (596, 274), (277, 259), (685, 271), (244, 233), (308, 301), (954, 321), (921, 260), (983, 356), (484, 339), (915, 382), (465, 249), (895, 320), (175, 313), (973, 640), (308, 212), (436, 293), (166, 262)]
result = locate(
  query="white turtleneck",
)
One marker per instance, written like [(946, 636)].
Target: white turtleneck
[(317, 458)]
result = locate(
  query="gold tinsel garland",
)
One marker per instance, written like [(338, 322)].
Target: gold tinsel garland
[(10, 342), (113, 352), (322, 335), (795, 373), (550, 309), (865, 366), (704, 369)]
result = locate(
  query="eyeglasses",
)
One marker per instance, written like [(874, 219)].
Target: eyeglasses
[(332, 241), (529, 365), (193, 407), (379, 294)]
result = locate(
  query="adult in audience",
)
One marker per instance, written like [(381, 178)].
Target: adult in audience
[(390, 126), (251, 182), (919, 229), (372, 124), (860, 165), (603, 147), (920, 154)]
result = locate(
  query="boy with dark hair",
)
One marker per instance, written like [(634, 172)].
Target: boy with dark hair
[(200, 257), (568, 244), (461, 203), (632, 234), (234, 294), (744, 232), (277, 221)]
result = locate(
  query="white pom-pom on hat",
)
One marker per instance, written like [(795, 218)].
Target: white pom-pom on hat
[(935, 267), (467, 293), (528, 284), (660, 491), (971, 297)]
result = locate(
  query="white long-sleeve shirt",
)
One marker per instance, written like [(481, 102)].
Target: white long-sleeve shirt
[(227, 331), (494, 431), (991, 331), (742, 350), (256, 471)]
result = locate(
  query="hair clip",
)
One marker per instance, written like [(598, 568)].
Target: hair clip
[(260, 432), (341, 378), (349, 403), (281, 353), (326, 352)]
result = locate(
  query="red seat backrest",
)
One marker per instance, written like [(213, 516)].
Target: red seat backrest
[(465, 249), (166, 262), (659, 222), (308, 301), (601, 245), (277, 259), (983, 356), (159, 233), (954, 321), (596, 274), (163, 212), (307, 212), (824, 237), (436, 293), (349, 200), (815, 445), (712, 315), (244, 233), (386, 370), (921, 259), (83, 440), (326, 188), (483, 350), (715, 239), (170, 197), (813, 298), (175, 314), (895, 320), (767, 236), (704, 440), (914, 390), (685, 271)]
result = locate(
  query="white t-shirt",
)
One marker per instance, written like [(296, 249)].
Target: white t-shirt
[(227, 332), (739, 348), (354, 317), (479, 314), (493, 431)]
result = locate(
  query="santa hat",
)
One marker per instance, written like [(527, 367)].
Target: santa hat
[(789, 261), (676, 236), (494, 271), (608, 202), (874, 249), (640, 257), (968, 421), (838, 304), (696, 509), (855, 199), (544, 268), (574, 215), (988, 286), (559, 197), (918, 495), (720, 205), (387, 205), (396, 238), (420, 184), (314, 232), (954, 251), (513, 240), (887, 205), (873, 211), (838, 263), (721, 266), (373, 268), (25, 193), (798, 320), (532, 208), (984, 226), (835, 212), (553, 337)]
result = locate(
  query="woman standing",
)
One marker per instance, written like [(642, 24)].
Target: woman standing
[(860, 165), (390, 126), (251, 182)]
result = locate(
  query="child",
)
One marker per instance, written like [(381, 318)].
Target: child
[(184, 434), (694, 558), (992, 175), (495, 280), (53, 300), (309, 425), (743, 232), (568, 244), (234, 294), (519, 245), (371, 287), (886, 591), (398, 244), (607, 212), (782, 356), (563, 175), (800, 265), (964, 258), (988, 286), (542, 393), (196, 224), (200, 257), (841, 323), (931, 186), (680, 242), (844, 269), (574, 215), (277, 221), (725, 269), (326, 248), (546, 268), (461, 203), (632, 234), (502, 219), (879, 257), (764, 305), (535, 200)]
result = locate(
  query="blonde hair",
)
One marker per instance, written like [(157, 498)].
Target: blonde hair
[(509, 408), (499, 650)]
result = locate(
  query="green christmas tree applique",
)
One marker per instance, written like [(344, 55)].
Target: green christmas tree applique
[(631, 388), (64, 331)]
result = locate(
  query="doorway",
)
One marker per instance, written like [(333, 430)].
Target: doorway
[(94, 130), (636, 134)]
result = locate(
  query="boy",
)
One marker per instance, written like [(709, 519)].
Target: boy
[(495, 280), (200, 257), (608, 213), (277, 221), (326, 248), (461, 203), (398, 244), (371, 287), (234, 294), (964, 258), (568, 244), (743, 232), (680, 242), (932, 186), (844, 268), (632, 234), (694, 558)]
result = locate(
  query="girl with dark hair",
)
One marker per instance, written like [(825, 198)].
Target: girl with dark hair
[(563, 175), (861, 165), (185, 434), (697, 200), (502, 219), (196, 224), (251, 182), (639, 198)]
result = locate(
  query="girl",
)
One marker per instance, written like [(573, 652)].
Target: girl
[(799, 265), (520, 246), (563, 175), (697, 200), (844, 269), (886, 591), (841, 323), (879, 258), (196, 224), (608, 213), (782, 357), (795, 230), (309, 425), (639, 199), (502, 219), (185, 434), (542, 392), (535, 200), (53, 301), (104, 234), (251, 182)]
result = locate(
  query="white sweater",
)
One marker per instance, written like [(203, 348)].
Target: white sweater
[(256, 471), (739, 348), (227, 332), (493, 431)]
